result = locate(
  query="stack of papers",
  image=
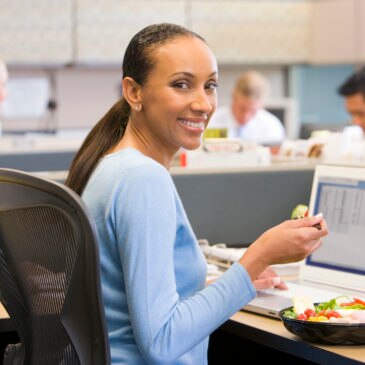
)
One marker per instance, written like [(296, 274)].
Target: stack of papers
[(220, 257)]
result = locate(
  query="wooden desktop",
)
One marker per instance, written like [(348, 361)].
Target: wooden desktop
[(266, 333), (271, 333)]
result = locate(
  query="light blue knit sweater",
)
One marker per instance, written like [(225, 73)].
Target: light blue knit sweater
[(157, 307)]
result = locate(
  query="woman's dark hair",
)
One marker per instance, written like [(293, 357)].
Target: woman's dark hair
[(137, 64)]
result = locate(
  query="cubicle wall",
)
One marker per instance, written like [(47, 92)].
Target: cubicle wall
[(37, 161), (236, 207), (232, 207)]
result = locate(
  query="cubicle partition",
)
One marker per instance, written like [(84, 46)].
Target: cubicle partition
[(37, 161), (235, 207), (224, 206)]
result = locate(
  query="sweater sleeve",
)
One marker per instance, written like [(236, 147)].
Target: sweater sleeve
[(165, 326)]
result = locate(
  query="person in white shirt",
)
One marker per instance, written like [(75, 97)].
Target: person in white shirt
[(245, 118)]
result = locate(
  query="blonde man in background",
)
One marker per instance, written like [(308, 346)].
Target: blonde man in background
[(246, 118)]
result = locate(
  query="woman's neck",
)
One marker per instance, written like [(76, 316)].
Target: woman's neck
[(146, 147)]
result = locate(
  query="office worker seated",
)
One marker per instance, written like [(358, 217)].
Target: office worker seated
[(353, 91), (158, 308), (246, 117)]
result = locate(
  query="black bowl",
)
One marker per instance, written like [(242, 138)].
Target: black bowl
[(325, 332)]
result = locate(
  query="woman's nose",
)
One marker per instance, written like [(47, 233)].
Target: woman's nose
[(202, 102)]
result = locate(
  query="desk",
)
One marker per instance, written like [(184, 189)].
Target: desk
[(272, 333), (269, 333)]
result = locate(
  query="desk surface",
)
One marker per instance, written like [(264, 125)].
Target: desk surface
[(272, 333)]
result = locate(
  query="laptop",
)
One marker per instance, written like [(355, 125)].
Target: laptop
[(338, 266)]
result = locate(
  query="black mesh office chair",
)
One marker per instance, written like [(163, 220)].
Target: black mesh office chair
[(49, 274)]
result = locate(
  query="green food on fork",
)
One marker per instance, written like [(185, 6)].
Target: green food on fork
[(301, 211)]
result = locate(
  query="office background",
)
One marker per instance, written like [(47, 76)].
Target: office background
[(304, 47)]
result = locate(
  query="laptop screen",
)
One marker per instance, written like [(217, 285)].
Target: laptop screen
[(342, 202)]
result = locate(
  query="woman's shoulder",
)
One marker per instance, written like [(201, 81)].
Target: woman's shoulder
[(130, 164)]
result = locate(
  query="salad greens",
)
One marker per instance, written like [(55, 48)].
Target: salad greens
[(322, 312)]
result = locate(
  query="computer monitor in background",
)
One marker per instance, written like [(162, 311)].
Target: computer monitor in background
[(286, 110), (27, 106)]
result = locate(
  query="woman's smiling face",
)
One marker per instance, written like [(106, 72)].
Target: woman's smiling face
[(179, 95)]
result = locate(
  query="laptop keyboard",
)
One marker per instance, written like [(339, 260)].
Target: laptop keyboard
[(316, 294)]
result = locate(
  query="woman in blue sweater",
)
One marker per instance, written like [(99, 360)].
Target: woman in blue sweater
[(158, 308)]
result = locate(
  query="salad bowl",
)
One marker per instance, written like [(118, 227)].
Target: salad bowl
[(332, 333)]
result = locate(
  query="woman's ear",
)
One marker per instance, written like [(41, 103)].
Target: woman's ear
[(132, 92)]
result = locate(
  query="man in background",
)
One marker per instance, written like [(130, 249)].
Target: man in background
[(246, 118), (353, 90)]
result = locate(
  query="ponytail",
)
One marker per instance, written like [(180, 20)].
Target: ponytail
[(105, 135)]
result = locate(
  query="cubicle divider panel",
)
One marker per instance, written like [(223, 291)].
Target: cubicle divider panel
[(236, 207), (38, 161)]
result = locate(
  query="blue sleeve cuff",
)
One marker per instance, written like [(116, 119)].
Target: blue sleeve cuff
[(245, 282)]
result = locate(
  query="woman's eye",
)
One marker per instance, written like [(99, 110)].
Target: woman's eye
[(181, 85), (212, 85)]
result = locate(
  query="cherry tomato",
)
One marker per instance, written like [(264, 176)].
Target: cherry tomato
[(310, 312), (302, 317), (332, 313)]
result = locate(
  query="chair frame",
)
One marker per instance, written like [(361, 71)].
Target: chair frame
[(82, 317)]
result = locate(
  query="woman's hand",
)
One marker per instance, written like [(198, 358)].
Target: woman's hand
[(269, 279), (290, 241)]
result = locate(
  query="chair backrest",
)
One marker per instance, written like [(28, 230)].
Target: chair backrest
[(49, 272)]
